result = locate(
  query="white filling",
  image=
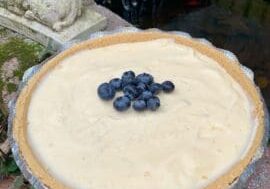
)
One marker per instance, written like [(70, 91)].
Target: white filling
[(199, 132)]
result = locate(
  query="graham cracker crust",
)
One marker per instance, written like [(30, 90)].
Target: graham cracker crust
[(233, 68)]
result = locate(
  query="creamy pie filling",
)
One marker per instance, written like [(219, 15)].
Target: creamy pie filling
[(201, 129)]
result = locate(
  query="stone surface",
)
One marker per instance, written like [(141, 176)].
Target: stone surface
[(16, 55), (89, 22), (261, 178), (7, 75), (5, 147), (6, 184), (113, 20), (56, 14), (88, 2)]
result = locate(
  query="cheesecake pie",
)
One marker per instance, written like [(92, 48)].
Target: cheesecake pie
[(203, 136)]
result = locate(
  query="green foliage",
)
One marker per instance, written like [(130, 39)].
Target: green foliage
[(8, 167), (11, 87)]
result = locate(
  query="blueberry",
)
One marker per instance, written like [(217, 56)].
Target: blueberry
[(139, 105), (153, 103), (128, 78), (145, 78), (146, 95), (141, 87), (116, 83), (155, 88), (131, 91), (106, 91), (167, 86), (121, 103)]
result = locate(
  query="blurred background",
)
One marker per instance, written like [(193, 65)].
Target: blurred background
[(241, 26)]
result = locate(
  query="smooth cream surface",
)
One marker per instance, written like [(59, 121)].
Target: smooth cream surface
[(201, 129)]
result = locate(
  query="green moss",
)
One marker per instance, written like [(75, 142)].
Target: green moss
[(3, 32), (11, 87), (1, 85), (8, 167), (26, 53)]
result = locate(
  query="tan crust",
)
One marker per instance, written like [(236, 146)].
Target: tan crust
[(20, 121)]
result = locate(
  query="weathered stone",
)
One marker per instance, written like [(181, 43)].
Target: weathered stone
[(16, 55), (90, 21), (261, 178), (4, 147), (11, 81), (88, 2), (8, 68), (56, 14), (6, 183)]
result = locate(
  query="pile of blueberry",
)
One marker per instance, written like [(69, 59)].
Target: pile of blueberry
[(140, 89)]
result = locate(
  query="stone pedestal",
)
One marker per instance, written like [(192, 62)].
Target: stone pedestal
[(89, 22)]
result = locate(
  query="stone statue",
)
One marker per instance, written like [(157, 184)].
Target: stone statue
[(56, 14), (52, 23)]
